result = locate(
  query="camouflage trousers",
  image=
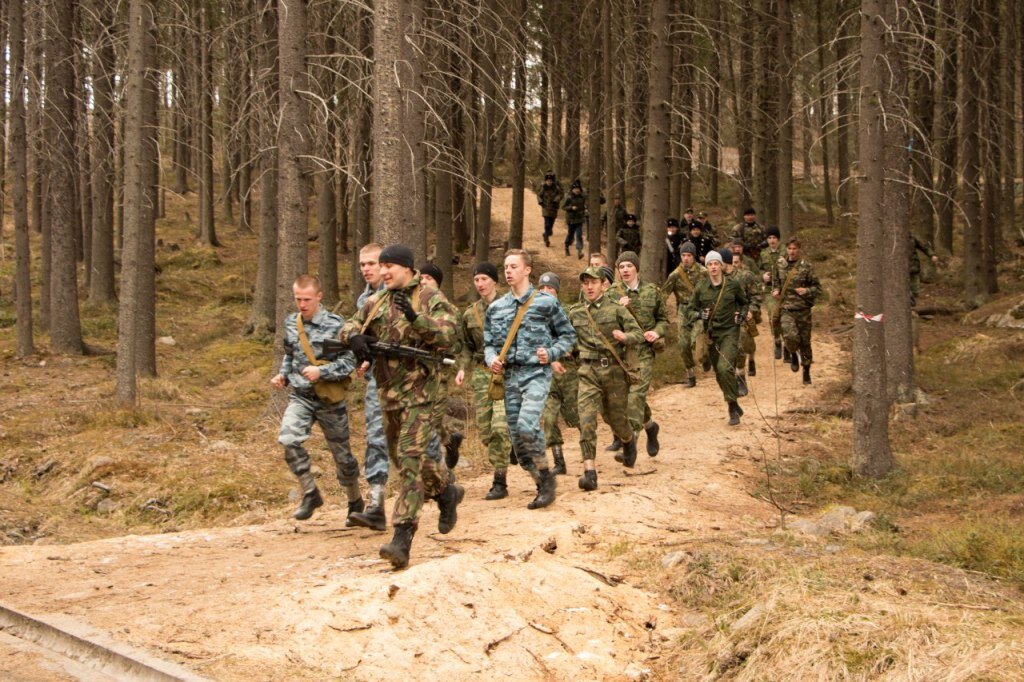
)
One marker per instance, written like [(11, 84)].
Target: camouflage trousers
[(603, 390), (722, 352), (490, 419), (915, 287), (296, 425), (747, 346), (638, 410), (437, 414), (408, 431), (770, 306), (376, 464), (526, 390), (562, 400), (796, 332), (686, 341)]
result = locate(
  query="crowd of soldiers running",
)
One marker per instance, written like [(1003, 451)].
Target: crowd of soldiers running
[(530, 358)]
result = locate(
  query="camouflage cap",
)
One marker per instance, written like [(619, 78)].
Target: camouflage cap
[(592, 272)]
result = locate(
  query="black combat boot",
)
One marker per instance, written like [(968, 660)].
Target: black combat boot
[(448, 503), (752, 367), (653, 446), (547, 240), (451, 449), (735, 412), (579, 255), (807, 374), (397, 551), (545, 489), (629, 452), (691, 378), (311, 499), (707, 365), (556, 454), (566, 249), (512, 458), (794, 361), (615, 446), (588, 481), (373, 517), (741, 385), (786, 355), (499, 489), (778, 350), (354, 507)]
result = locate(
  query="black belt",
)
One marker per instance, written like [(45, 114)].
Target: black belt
[(604, 361)]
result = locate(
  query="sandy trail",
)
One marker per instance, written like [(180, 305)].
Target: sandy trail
[(509, 593)]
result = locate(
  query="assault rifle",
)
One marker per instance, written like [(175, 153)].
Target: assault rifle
[(390, 350)]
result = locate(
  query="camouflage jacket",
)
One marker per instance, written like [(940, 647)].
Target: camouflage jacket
[(549, 198), (768, 261), (731, 308), (751, 283), (803, 277), (629, 238), (404, 382), (323, 325), (646, 304), (915, 246), (752, 235), (682, 286), (575, 208), (545, 325), (471, 333), (608, 316)]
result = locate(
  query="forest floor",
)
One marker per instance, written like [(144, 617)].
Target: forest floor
[(678, 569)]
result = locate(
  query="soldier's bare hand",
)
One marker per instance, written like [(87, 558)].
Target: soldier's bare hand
[(311, 372), (651, 336), (460, 376), (624, 300), (542, 355), (278, 381), (775, 293), (800, 291), (767, 277), (496, 366), (557, 367), (619, 335), (362, 369)]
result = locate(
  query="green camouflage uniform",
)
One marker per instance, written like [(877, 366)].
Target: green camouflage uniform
[(752, 285), (768, 262), (647, 306), (681, 283), (408, 389), (603, 385), (562, 399), (795, 310), (723, 327), (752, 236), (915, 266), (490, 414)]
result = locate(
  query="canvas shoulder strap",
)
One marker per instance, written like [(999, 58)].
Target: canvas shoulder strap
[(604, 339), (514, 329), (717, 300), (681, 271), (304, 341), (789, 278), (476, 313)]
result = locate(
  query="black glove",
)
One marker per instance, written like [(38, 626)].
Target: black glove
[(705, 314), (360, 345), (402, 302)]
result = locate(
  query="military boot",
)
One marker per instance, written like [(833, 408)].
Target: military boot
[(499, 489), (653, 446), (354, 507), (794, 361), (373, 517), (735, 412), (451, 449), (786, 355), (778, 350), (741, 385), (807, 374), (311, 499), (448, 503), (556, 454), (512, 458), (588, 481), (691, 378), (566, 249), (547, 240), (397, 551), (545, 489), (629, 452), (615, 446), (752, 367)]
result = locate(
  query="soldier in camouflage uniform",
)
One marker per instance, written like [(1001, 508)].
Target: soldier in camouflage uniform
[(305, 406), (751, 234), (680, 283), (628, 237), (796, 288), (575, 215), (604, 389), (915, 265), (645, 303), (490, 414), (431, 275), (564, 388), (549, 196), (768, 265), (747, 346), (418, 316), (718, 304), (614, 219), (544, 336)]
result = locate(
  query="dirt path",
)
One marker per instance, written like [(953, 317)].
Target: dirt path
[(509, 593)]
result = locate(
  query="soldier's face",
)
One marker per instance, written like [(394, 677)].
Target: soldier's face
[(516, 270), (687, 258), (596, 261), (749, 218), (369, 268), (714, 268), (627, 271), (549, 290), (591, 288), (773, 241), (484, 285), (307, 300), (428, 280), (695, 232), (737, 251), (688, 216), (792, 251), (395, 276)]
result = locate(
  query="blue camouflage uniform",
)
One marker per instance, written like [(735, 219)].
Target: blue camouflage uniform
[(545, 325), (304, 407), (376, 465)]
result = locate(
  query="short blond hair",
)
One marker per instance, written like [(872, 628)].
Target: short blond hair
[(522, 253), (306, 281)]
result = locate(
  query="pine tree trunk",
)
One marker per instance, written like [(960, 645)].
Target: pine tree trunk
[(784, 70), (444, 189), (824, 109), (101, 282), (207, 227), (181, 102), (595, 133), (518, 161), (489, 88), (844, 121), (993, 151), (19, 171), (656, 199), (362, 139), (713, 135), (945, 129), (970, 155), (1008, 217), (609, 89), (746, 112), (872, 455)]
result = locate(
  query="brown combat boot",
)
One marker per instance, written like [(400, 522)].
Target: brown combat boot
[(397, 551)]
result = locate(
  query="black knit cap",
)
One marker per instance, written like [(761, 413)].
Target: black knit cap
[(486, 268), (397, 254), (434, 271), (773, 232), (749, 211), (726, 256), (671, 222), (576, 184), (630, 216), (608, 274)]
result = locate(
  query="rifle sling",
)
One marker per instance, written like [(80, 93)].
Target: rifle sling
[(304, 341), (604, 339)]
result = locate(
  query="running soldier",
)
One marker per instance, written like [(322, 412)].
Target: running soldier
[(575, 215), (719, 303), (628, 237), (307, 373), (549, 196), (915, 266), (751, 234), (748, 326), (490, 414), (564, 388), (680, 284), (604, 330), (796, 289), (409, 314), (768, 263), (524, 360), (673, 239)]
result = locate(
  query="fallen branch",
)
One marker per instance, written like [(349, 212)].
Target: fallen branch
[(610, 580), (494, 643)]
